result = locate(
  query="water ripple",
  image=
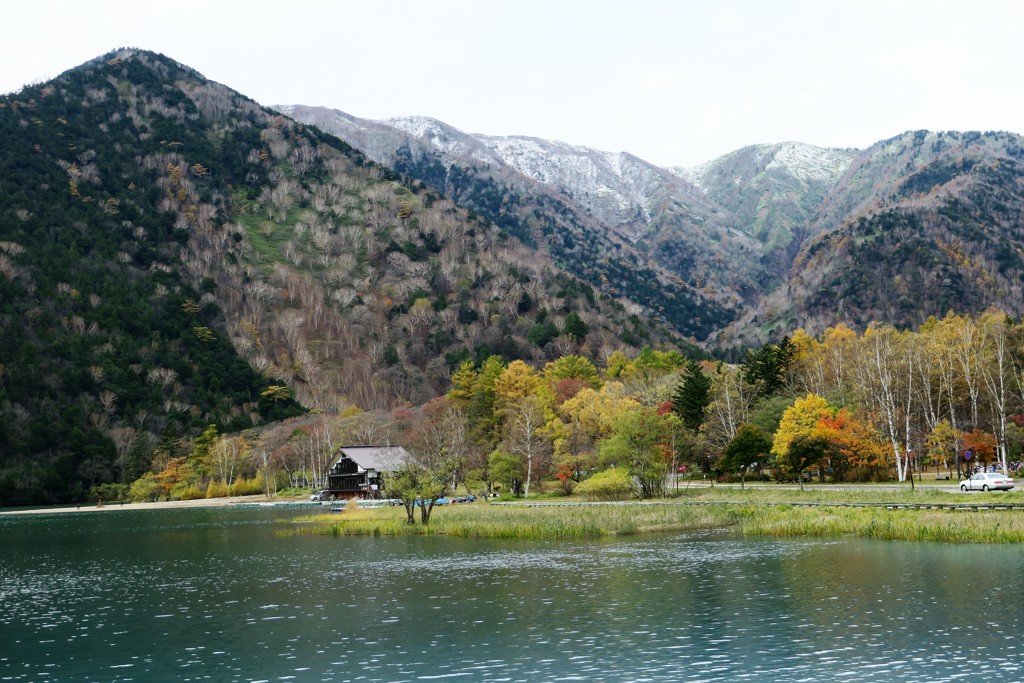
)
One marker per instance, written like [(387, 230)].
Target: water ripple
[(219, 596)]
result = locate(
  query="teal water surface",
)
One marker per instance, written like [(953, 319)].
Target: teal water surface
[(197, 595)]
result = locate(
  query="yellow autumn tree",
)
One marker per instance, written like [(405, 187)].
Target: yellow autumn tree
[(799, 420), (582, 422), (943, 443), (808, 363), (837, 345), (617, 365), (516, 382)]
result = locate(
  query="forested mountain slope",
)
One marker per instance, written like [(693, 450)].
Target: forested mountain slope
[(174, 255), (628, 227), (773, 193), (922, 224), (778, 236)]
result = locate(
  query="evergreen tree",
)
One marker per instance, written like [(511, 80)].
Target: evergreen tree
[(575, 328), (766, 367), (540, 333), (691, 396), (197, 459), (473, 391)]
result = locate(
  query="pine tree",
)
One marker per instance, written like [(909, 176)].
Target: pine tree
[(575, 328), (766, 367), (692, 395)]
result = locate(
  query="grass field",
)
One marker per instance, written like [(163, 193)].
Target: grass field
[(751, 512)]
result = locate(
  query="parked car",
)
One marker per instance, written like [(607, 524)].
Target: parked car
[(987, 481), (322, 495), (439, 501)]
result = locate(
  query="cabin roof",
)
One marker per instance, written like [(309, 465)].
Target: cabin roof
[(379, 458)]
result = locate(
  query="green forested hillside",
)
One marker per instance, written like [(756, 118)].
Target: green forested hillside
[(99, 328), (173, 256), (943, 235)]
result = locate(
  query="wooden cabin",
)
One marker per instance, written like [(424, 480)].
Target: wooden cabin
[(356, 471)]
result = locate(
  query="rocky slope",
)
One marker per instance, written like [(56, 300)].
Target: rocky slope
[(921, 224), (773, 193)]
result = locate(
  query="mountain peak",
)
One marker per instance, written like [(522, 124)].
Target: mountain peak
[(804, 162), (420, 126), (808, 162)]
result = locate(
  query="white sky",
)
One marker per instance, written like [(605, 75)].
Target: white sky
[(675, 82)]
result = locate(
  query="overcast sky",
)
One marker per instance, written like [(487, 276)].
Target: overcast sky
[(674, 82)]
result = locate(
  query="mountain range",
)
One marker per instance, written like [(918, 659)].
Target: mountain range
[(765, 239), (174, 255)]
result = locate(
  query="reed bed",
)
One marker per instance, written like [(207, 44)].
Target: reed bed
[(481, 520), (753, 512), (764, 495), (948, 526)]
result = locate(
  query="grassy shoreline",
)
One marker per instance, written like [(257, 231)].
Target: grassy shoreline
[(752, 512)]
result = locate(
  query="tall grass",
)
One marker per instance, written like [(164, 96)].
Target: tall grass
[(949, 526), (482, 520), (750, 513), (847, 495)]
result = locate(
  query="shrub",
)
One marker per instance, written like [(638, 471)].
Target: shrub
[(183, 491), (108, 492), (612, 484), (249, 487), (217, 489), (144, 489)]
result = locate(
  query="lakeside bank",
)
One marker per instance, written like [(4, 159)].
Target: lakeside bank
[(157, 505), (878, 514)]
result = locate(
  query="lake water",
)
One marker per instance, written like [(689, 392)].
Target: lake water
[(216, 595)]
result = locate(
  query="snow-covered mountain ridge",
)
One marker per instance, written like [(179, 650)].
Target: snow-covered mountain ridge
[(762, 191), (617, 188), (806, 163)]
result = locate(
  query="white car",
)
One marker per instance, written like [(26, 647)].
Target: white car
[(321, 495), (987, 481)]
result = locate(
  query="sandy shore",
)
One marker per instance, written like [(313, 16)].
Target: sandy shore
[(160, 505)]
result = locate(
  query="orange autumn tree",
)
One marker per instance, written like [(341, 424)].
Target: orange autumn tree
[(855, 444), (982, 446), (176, 471)]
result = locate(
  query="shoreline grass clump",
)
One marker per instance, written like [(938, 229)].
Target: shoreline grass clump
[(543, 522), (946, 526), (752, 512)]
